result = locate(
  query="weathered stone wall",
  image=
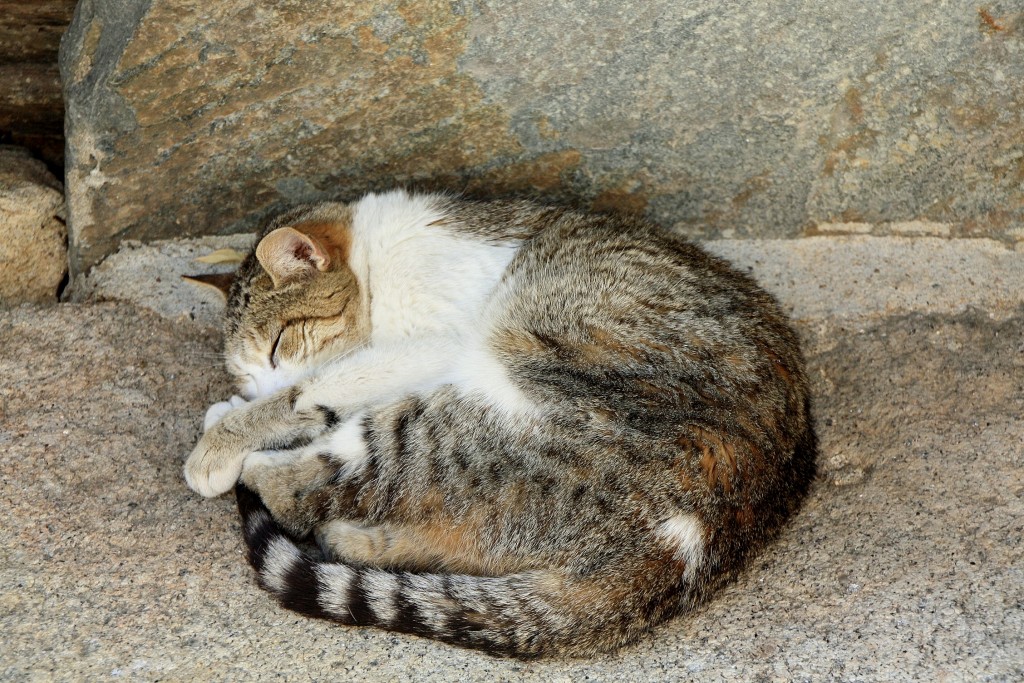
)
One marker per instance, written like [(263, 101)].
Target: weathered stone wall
[(760, 119), (31, 109)]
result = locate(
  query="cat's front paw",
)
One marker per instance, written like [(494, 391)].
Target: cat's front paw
[(215, 463), (217, 411)]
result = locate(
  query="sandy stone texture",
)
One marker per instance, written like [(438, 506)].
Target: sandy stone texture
[(760, 119), (817, 279), (907, 562), (33, 236), (150, 276)]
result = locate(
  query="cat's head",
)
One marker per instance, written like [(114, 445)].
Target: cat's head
[(294, 302)]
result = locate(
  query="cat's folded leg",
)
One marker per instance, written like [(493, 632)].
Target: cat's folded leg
[(293, 483), (215, 463), (305, 411), (444, 543), (365, 491)]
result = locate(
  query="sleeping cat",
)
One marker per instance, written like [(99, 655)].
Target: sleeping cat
[(509, 427)]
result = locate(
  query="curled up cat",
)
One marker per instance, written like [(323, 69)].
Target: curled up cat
[(517, 428)]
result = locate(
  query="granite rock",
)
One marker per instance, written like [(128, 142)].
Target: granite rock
[(33, 236), (756, 119), (906, 563)]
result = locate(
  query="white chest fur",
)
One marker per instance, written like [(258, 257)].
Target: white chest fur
[(421, 278)]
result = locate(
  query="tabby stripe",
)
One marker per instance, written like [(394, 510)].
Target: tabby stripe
[(331, 418), (358, 604), (301, 590), (399, 432), (407, 617)]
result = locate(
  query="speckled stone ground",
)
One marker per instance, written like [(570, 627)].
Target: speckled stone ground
[(907, 562)]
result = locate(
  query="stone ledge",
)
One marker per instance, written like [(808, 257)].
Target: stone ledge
[(852, 279), (149, 275)]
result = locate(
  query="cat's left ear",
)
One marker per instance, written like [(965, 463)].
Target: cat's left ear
[(218, 281), (287, 254)]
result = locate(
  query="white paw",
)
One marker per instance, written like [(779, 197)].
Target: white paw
[(217, 411), (211, 483), (215, 464)]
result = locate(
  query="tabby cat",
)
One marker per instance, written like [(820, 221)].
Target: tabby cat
[(510, 427)]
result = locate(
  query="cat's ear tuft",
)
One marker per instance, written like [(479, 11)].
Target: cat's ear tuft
[(218, 281), (287, 254)]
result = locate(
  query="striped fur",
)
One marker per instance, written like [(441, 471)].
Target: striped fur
[(524, 615), (508, 427)]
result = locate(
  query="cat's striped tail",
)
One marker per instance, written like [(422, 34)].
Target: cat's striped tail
[(523, 615)]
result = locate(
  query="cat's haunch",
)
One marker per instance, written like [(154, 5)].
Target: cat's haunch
[(510, 427)]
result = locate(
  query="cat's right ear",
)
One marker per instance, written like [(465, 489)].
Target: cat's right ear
[(287, 254)]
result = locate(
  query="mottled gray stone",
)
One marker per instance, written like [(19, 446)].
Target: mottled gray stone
[(150, 276), (757, 119)]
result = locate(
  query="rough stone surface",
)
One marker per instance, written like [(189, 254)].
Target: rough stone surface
[(757, 119), (33, 236), (150, 276), (907, 563), (859, 277), (817, 279), (31, 107)]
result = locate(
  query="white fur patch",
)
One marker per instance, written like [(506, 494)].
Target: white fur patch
[(381, 591), (280, 557), (256, 522), (686, 533), (422, 277), (334, 581), (346, 444), (482, 375)]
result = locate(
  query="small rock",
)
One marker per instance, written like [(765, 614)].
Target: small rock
[(33, 236)]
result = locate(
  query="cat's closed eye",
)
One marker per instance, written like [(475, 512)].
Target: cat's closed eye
[(275, 348)]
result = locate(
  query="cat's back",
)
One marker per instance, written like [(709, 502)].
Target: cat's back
[(683, 363), (615, 296)]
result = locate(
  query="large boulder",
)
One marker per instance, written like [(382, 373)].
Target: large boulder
[(33, 237), (756, 119)]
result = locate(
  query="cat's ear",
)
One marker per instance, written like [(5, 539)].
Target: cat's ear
[(287, 254), (218, 281)]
